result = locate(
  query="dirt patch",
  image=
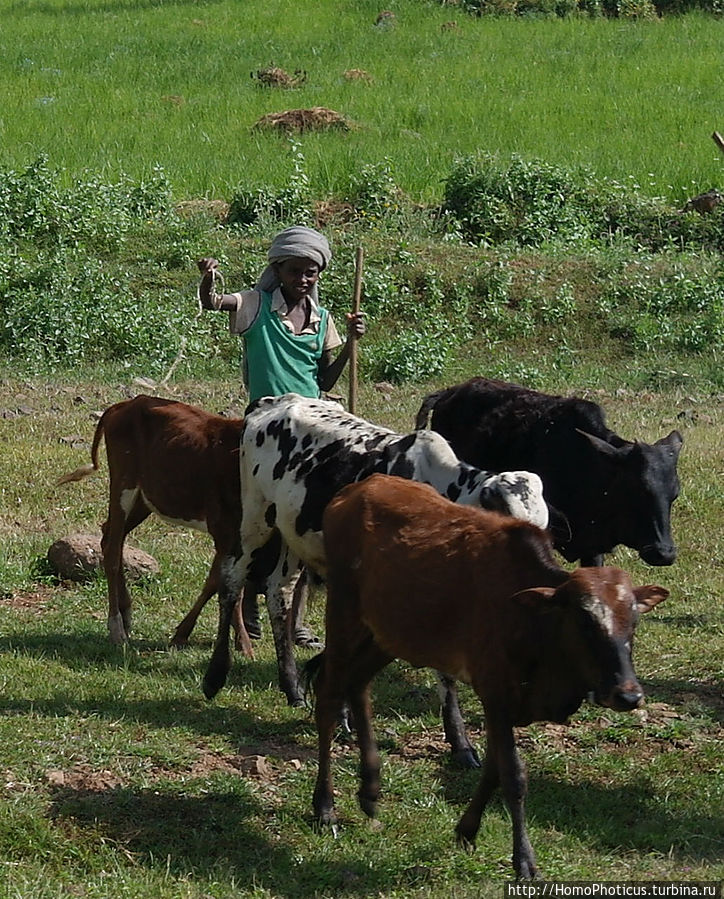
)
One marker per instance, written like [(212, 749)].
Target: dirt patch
[(254, 765), (327, 212), (83, 779), (428, 745), (34, 600), (215, 209), (318, 118), (358, 75), (276, 77), (265, 762)]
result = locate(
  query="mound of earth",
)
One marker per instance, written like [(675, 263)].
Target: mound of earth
[(318, 118)]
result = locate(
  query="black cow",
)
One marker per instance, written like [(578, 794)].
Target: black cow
[(601, 490)]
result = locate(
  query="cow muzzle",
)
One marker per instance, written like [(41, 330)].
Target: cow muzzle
[(658, 554), (623, 698)]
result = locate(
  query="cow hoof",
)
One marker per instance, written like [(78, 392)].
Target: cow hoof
[(211, 686), (328, 818), (117, 631), (464, 838), (368, 805), (254, 629), (466, 758), (527, 870)]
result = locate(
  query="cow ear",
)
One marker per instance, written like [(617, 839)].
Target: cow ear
[(649, 596), (542, 599), (674, 440)]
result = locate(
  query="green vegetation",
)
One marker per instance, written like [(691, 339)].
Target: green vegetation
[(123, 87), (519, 188), (104, 273)]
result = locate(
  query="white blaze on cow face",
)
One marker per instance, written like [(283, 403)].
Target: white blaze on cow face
[(600, 612)]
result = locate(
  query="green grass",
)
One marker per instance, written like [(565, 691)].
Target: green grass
[(118, 779), (122, 87)]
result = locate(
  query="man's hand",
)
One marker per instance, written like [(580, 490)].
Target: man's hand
[(355, 325), (207, 265)]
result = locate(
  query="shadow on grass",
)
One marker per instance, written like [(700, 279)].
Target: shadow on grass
[(682, 692), (80, 651), (630, 817), (220, 835)]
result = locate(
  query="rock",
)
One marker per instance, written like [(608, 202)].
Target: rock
[(78, 557)]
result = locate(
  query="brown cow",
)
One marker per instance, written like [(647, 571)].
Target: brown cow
[(181, 463), (478, 595)]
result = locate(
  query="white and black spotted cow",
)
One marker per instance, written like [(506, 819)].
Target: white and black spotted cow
[(296, 454)]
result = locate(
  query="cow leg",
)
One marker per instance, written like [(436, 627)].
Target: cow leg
[(280, 599), (503, 763), (368, 663), (211, 585), (242, 639), (232, 575), (468, 826), (463, 752), (303, 636), (114, 531), (595, 561), (346, 673), (330, 692), (250, 611)]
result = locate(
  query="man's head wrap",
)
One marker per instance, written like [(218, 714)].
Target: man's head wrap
[(296, 242)]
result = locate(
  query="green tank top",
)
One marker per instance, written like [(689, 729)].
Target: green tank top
[(278, 361)]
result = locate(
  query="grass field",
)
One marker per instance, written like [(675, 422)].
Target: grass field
[(119, 780), (123, 86)]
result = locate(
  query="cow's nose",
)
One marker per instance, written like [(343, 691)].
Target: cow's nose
[(624, 700), (658, 554)]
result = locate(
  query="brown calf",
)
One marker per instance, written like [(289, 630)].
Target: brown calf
[(181, 463), (478, 595)]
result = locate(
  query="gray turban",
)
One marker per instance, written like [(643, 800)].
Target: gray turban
[(299, 242)]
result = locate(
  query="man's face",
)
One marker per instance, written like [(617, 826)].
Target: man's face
[(297, 277)]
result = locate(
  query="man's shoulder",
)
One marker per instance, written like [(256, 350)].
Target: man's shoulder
[(247, 309)]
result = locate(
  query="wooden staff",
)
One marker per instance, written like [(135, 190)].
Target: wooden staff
[(718, 140), (356, 298)]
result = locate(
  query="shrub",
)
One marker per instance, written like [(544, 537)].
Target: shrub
[(671, 309), (291, 204), (409, 355), (530, 203)]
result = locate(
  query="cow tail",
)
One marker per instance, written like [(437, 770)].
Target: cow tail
[(309, 674), (426, 408), (92, 466)]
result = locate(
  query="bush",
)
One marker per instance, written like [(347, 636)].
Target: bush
[(291, 204), (530, 203), (674, 309), (407, 356)]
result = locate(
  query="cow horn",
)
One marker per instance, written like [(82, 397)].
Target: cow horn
[(598, 443)]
